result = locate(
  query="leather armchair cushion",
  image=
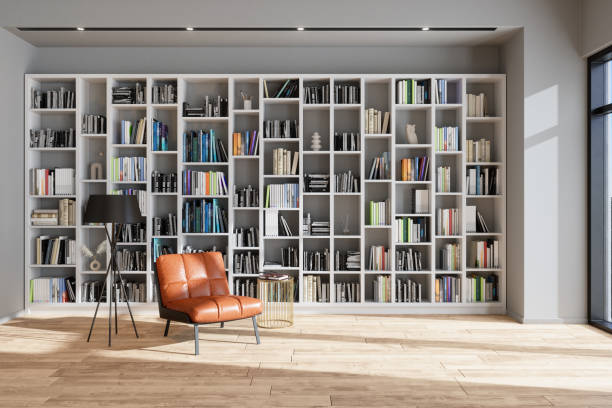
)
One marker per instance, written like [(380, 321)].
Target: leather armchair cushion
[(210, 309)]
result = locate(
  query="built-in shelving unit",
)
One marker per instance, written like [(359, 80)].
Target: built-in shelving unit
[(347, 212)]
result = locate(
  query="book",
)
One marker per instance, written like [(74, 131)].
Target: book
[(165, 225), (447, 289), (245, 143), (483, 180), (212, 107), (280, 129), (447, 139), (421, 201), (347, 141), (482, 288), (246, 196), (52, 290), (246, 237), (409, 260), (347, 292), (52, 182), (443, 179), (246, 263), (204, 216), (317, 260), (282, 196), (408, 291), (316, 183), (163, 93), (347, 93), (61, 98), (449, 257), (163, 183), (485, 254), (380, 168), (381, 288), (349, 260), (379, 212), (477, 105), (128, 169), (414, 168), (470, 218), (93, 124), (316, 94), (411, 229), (209, 183), (379, 258), (376, 121), (412, 91), (128, 94), (346, 182), (448, 221)]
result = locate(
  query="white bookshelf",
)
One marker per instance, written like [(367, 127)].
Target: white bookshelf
[(94, 96)]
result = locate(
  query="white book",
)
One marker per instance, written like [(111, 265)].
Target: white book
[(470, 218), (421, 201)]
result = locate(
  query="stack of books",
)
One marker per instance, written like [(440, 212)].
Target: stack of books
[(483, 180), (132, 232), (478, 150), (485, 253), (214, 107), (160, 248), (316, 183), (347, 261), (245, 287), (165, 93), (127, 95)]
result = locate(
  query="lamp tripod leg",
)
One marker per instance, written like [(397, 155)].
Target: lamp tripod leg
[(127, 302), (98, 305)]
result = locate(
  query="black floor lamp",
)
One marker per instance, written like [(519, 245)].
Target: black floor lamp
[(112, 209)]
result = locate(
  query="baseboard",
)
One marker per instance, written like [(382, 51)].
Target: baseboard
[(515, 316), (12, 316)]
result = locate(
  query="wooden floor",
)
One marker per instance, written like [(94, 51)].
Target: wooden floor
[(340, 361)]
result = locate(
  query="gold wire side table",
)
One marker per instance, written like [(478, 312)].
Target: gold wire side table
[(276, 294)]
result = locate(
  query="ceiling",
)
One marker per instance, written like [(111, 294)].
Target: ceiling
[(260, 38)]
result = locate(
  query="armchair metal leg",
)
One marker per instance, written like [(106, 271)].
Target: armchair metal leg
[(197, 339), (256, 331), (167, 328), (222, 324)]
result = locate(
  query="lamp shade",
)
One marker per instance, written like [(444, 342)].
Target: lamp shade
[(120, 209)]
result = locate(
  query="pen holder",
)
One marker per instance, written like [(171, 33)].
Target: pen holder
[(248, 104)]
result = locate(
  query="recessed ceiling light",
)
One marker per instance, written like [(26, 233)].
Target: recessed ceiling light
[(300, 28), (425, 29), (189, 28), (80, 28)]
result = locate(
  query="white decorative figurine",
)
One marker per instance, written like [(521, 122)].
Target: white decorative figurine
[(94, 265), (316, 142)]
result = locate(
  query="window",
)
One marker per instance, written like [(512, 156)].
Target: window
[(600, 189)]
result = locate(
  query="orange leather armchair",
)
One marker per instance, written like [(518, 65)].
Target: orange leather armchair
[(192, 288)]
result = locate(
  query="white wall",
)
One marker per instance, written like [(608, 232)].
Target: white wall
[(16, 57), (552, 174), (596, 25)]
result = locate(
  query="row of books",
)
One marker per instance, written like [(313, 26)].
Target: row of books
[(447, 139), (486, 253), (478, 150), (188, 249), (204, 183), (132, 232), (314, 290), (91, 291), (282, 196), (52, 290), (129, 169), (346, 182), (202, 146), (246, 143), (289, 89), (165, 225), (448, 221), (381, 288), (316, 183), (135, 292), (347, 94), (64, 215), (408, 291), (282, 164), (133, 133), (276, 225), (164, 93), (442, 91), (448, 289), (246, 197), (443, 179), (131, 260), (246, 237), (246, 263), (59, 250), (474, 221), (245, 287), (52, 182), (159, 136), (348, 292), (212, 107), (379, 212), (141, 197), (317, 260), (161, 248), (381, 167), (163, 183), (483, 180), (290, 257), (414, 168), (481, 288), (316, 94), (477, 105), (379, 258), (408, 260), (410, 91), (128, 95), (376, 121), (411, 229), (204, 216), (52, 138), (61, 98), (349, 260), (449, 257), (347, 141), (280, 129), (93, 124)]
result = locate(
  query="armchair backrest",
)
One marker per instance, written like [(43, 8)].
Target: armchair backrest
[(182, 276)]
